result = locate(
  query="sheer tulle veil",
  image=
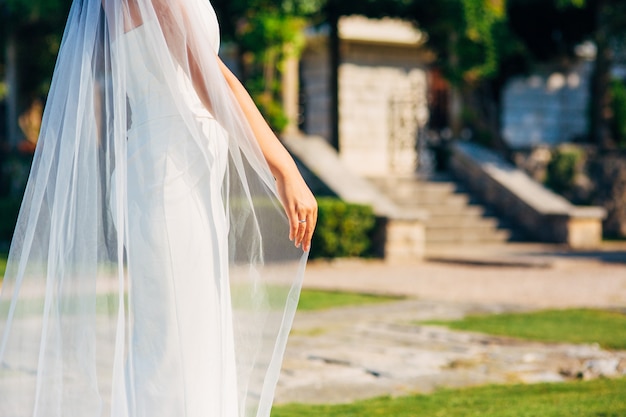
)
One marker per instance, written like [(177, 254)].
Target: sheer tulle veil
[(68, 346)]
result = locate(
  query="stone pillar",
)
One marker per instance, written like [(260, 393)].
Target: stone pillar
[(291, 90)]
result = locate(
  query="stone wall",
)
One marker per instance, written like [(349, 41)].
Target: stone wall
[(599, 178), (544, 215), (315, 74), (382, 93), (549, 107), (382, 104)]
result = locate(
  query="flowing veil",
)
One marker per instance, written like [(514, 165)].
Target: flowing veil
[(67, 308)]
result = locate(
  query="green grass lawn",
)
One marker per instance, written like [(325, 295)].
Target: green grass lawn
[(598, 398), (311, 300), (607, 328)]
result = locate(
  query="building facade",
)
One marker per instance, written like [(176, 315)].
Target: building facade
[(364, 89)]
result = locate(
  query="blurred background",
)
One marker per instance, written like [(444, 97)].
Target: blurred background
[(469, 158), (390, 106)]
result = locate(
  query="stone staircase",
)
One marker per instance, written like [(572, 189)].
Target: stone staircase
[(453, 218)]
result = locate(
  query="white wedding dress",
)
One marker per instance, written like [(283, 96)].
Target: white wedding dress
[(150, 272), (179, 295)]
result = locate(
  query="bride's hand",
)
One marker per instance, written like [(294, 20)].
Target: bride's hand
[(295, 195), (301, 208)]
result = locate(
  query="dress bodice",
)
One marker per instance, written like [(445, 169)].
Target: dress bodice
[(149, 86), (146, 87)]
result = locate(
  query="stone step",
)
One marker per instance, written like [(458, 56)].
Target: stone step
[(430, 200), (469, 227), (444, 213), (453, 218), (454, 211), (421, 193), (464, 222), (417, 187), (454, 235), (422, 187)]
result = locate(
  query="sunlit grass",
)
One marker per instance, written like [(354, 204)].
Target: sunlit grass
[(603, 397), (311, 300), (607, 328)]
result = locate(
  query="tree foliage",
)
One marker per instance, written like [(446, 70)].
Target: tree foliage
[(267, 32), (16, 13), (481, 18), (555, 30), (37, 26), (465, 34), (478, 44), (558, 26)]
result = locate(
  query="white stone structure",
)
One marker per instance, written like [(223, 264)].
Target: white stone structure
[(546, 108), (381, 97), (316, 74)]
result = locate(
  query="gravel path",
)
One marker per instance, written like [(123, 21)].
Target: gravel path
[(345, 354), (529, 275)]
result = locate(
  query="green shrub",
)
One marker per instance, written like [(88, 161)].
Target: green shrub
[(343, 229), (618, 104), (562, 170)]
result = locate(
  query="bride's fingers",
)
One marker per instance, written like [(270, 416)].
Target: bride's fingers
[(302, 220), (308, 233), (301, 209), (297, 225), (307, 221), (293, 225)]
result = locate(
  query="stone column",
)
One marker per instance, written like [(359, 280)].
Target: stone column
[(290, 87)]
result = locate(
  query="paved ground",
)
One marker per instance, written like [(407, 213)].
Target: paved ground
[(351, 353)]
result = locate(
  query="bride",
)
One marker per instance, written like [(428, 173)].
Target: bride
[(160, 247)]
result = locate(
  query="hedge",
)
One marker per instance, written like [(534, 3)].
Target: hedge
[(343, 229)]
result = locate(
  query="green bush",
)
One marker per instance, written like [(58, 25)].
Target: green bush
[(618, 104), (343, 229), (562, 170)]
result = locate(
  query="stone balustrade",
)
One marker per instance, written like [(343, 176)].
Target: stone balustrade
[(544, 215)]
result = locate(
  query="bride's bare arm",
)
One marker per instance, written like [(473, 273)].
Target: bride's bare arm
[(297, 198), (299, 203)]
